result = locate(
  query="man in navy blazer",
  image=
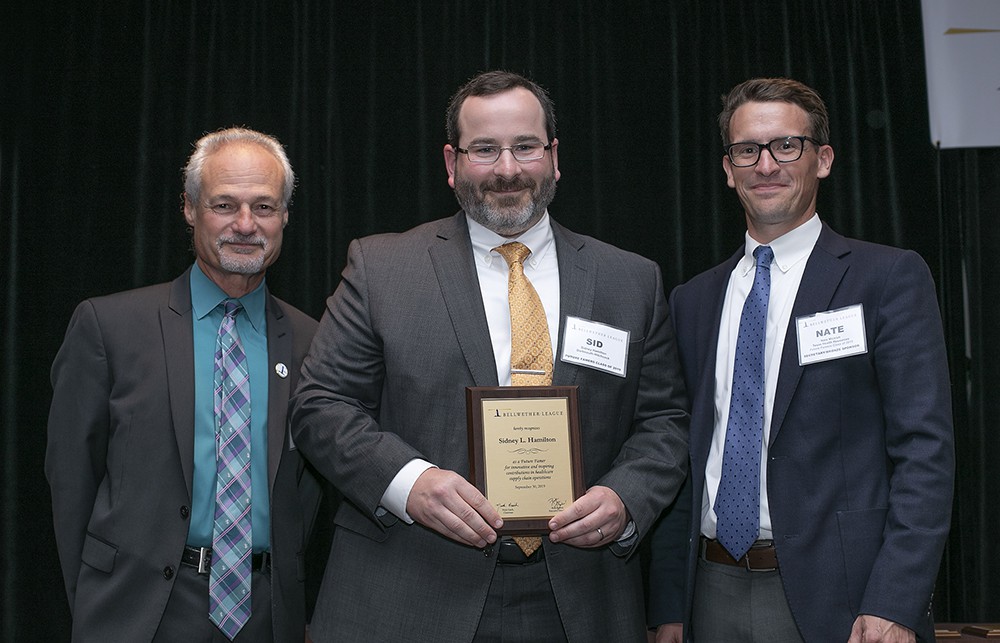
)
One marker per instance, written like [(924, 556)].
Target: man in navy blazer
[(856, 461), (132, 437)]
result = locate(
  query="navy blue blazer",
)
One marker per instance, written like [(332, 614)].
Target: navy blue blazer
[(860, 458)]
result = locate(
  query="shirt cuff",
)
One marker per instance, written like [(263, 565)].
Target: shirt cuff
[(398, 492), (627, 534)]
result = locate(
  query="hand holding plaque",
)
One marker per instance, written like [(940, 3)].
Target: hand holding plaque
[(524, 452)]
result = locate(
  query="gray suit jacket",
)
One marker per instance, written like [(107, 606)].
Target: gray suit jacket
[(120, 460), (384, 382)]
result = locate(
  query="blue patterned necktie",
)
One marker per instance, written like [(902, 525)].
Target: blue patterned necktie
[(737, 504), (229, 581)]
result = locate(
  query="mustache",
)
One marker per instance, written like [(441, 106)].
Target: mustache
[(248, 239), (501, 184)]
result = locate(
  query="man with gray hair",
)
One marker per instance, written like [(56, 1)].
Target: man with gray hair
[(181, 506)]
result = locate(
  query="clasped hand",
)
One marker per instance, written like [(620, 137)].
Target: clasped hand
[(447, 503)]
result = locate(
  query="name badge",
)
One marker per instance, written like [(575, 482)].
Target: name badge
[(831, 335), (594, 345)]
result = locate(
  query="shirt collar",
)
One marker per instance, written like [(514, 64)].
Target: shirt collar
[(789, 249), (206, 296), (538, 238)]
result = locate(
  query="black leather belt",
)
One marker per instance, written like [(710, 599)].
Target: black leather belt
[(510, 554), (201, 559), (760, 558)]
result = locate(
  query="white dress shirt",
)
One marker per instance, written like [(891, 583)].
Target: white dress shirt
[(791, 252), (542, 270)]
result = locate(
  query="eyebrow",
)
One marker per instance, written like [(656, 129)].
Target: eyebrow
[(521, 138), (255, 199), (776, 138)]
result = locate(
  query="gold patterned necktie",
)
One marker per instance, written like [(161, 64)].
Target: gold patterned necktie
[(530, 346)]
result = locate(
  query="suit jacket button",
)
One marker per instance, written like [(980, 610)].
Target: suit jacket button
[(185, 512), (168, 572)]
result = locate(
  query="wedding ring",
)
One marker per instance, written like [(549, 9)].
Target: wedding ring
[(600, 532)]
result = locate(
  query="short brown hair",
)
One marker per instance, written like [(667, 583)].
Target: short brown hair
[(777, 90), (496, 82)]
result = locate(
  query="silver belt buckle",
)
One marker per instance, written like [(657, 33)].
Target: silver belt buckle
[(746, 559), (204, 560)]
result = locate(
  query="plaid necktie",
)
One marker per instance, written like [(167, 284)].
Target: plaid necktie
[(530, 346), (229, 581), (737, 503)]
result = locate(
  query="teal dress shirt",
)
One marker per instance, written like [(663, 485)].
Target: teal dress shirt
[(206, 302)]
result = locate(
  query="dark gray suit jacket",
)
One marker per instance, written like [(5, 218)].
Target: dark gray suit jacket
[(860, 459), (384, 382), (120, 460)]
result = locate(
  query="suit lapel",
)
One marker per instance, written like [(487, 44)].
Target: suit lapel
[(577, 285), (178, 351), (455, 269), (712, 299), (824, 271), (279, 351)]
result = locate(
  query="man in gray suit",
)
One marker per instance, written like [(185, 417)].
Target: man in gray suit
[(381, 410), (134, 432)]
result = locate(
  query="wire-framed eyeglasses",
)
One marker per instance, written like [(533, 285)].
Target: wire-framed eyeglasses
[(487, 154)]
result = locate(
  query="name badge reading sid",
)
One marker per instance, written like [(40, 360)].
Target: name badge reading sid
[(597, 346), (831, 335)]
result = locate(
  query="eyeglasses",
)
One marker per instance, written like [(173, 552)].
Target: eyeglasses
[(783, 150), (490, 154)]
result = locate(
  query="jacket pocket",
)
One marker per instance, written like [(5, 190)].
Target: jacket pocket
[(98, 554)]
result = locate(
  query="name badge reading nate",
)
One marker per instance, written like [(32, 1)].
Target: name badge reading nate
[(831, 335), (594, 345)]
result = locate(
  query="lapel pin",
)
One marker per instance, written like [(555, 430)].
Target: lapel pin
[(281, 370)]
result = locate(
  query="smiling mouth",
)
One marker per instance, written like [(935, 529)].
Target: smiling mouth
[(767, 187), (505, 187), (241, 247)]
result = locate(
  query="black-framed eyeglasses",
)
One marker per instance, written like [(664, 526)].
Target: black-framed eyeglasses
[(783, 150), (487, 154)]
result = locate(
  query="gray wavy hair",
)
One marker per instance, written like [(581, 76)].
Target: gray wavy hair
[(211, 143)]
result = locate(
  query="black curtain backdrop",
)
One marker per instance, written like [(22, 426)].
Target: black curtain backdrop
[(101, 101)]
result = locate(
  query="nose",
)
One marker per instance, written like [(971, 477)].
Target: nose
[(766, 164), (507, 166), (244, 222)]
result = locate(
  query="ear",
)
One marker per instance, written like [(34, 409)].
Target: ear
[(825, 155), (189, 210), (450, 161), (727, 167), (555, 157)]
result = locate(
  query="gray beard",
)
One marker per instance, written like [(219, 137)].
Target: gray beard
[(504, 217), (242, 264)]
